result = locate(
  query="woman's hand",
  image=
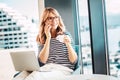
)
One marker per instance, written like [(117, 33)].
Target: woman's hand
[(67, 39), (47, 31)]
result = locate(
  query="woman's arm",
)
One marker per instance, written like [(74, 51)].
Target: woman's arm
[(71, 52), (44, 53)]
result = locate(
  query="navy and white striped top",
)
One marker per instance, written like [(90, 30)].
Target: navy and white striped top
[(58, 54)]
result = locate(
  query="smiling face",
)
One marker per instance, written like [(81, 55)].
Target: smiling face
[(50, 17), (53, 21)]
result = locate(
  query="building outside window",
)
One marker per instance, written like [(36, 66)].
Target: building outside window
[(19, 23)]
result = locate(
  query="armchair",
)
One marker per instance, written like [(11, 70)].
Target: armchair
[(77, 65)]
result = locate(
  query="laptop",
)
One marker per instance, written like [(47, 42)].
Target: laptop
[(25, 61)]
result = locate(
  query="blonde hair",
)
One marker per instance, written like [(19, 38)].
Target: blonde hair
[(41, 38)]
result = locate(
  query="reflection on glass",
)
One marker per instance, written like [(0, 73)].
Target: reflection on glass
[(113, 26), (85, 37), (18, 24)]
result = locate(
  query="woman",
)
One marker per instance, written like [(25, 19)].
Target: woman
[(54, 42), (54, 47)]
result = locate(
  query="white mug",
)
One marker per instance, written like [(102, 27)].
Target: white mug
[(60, 38)]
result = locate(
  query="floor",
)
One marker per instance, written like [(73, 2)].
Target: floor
[(6, 66)]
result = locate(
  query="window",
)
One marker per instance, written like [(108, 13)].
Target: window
[(17, 18), (113, 26), (85, 37)]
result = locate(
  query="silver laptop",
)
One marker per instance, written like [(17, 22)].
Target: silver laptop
[(25, 61)]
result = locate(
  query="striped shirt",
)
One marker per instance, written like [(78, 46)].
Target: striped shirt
[(58, 54)]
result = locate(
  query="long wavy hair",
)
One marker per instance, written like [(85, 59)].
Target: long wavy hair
[(41, 37)]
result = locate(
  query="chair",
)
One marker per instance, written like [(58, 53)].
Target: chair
[(77, 65)]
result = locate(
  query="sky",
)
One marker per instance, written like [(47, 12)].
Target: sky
[(25, 7), (30, 7), (112, 7)]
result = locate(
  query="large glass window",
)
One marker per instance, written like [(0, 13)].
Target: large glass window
[(85, 37), (113, 26), (19, 17)]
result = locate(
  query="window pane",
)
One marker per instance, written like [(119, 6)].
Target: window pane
[(85, 37), (113, 26), (19, 21)]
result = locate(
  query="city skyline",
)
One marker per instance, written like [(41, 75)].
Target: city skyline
[(17, 31)]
